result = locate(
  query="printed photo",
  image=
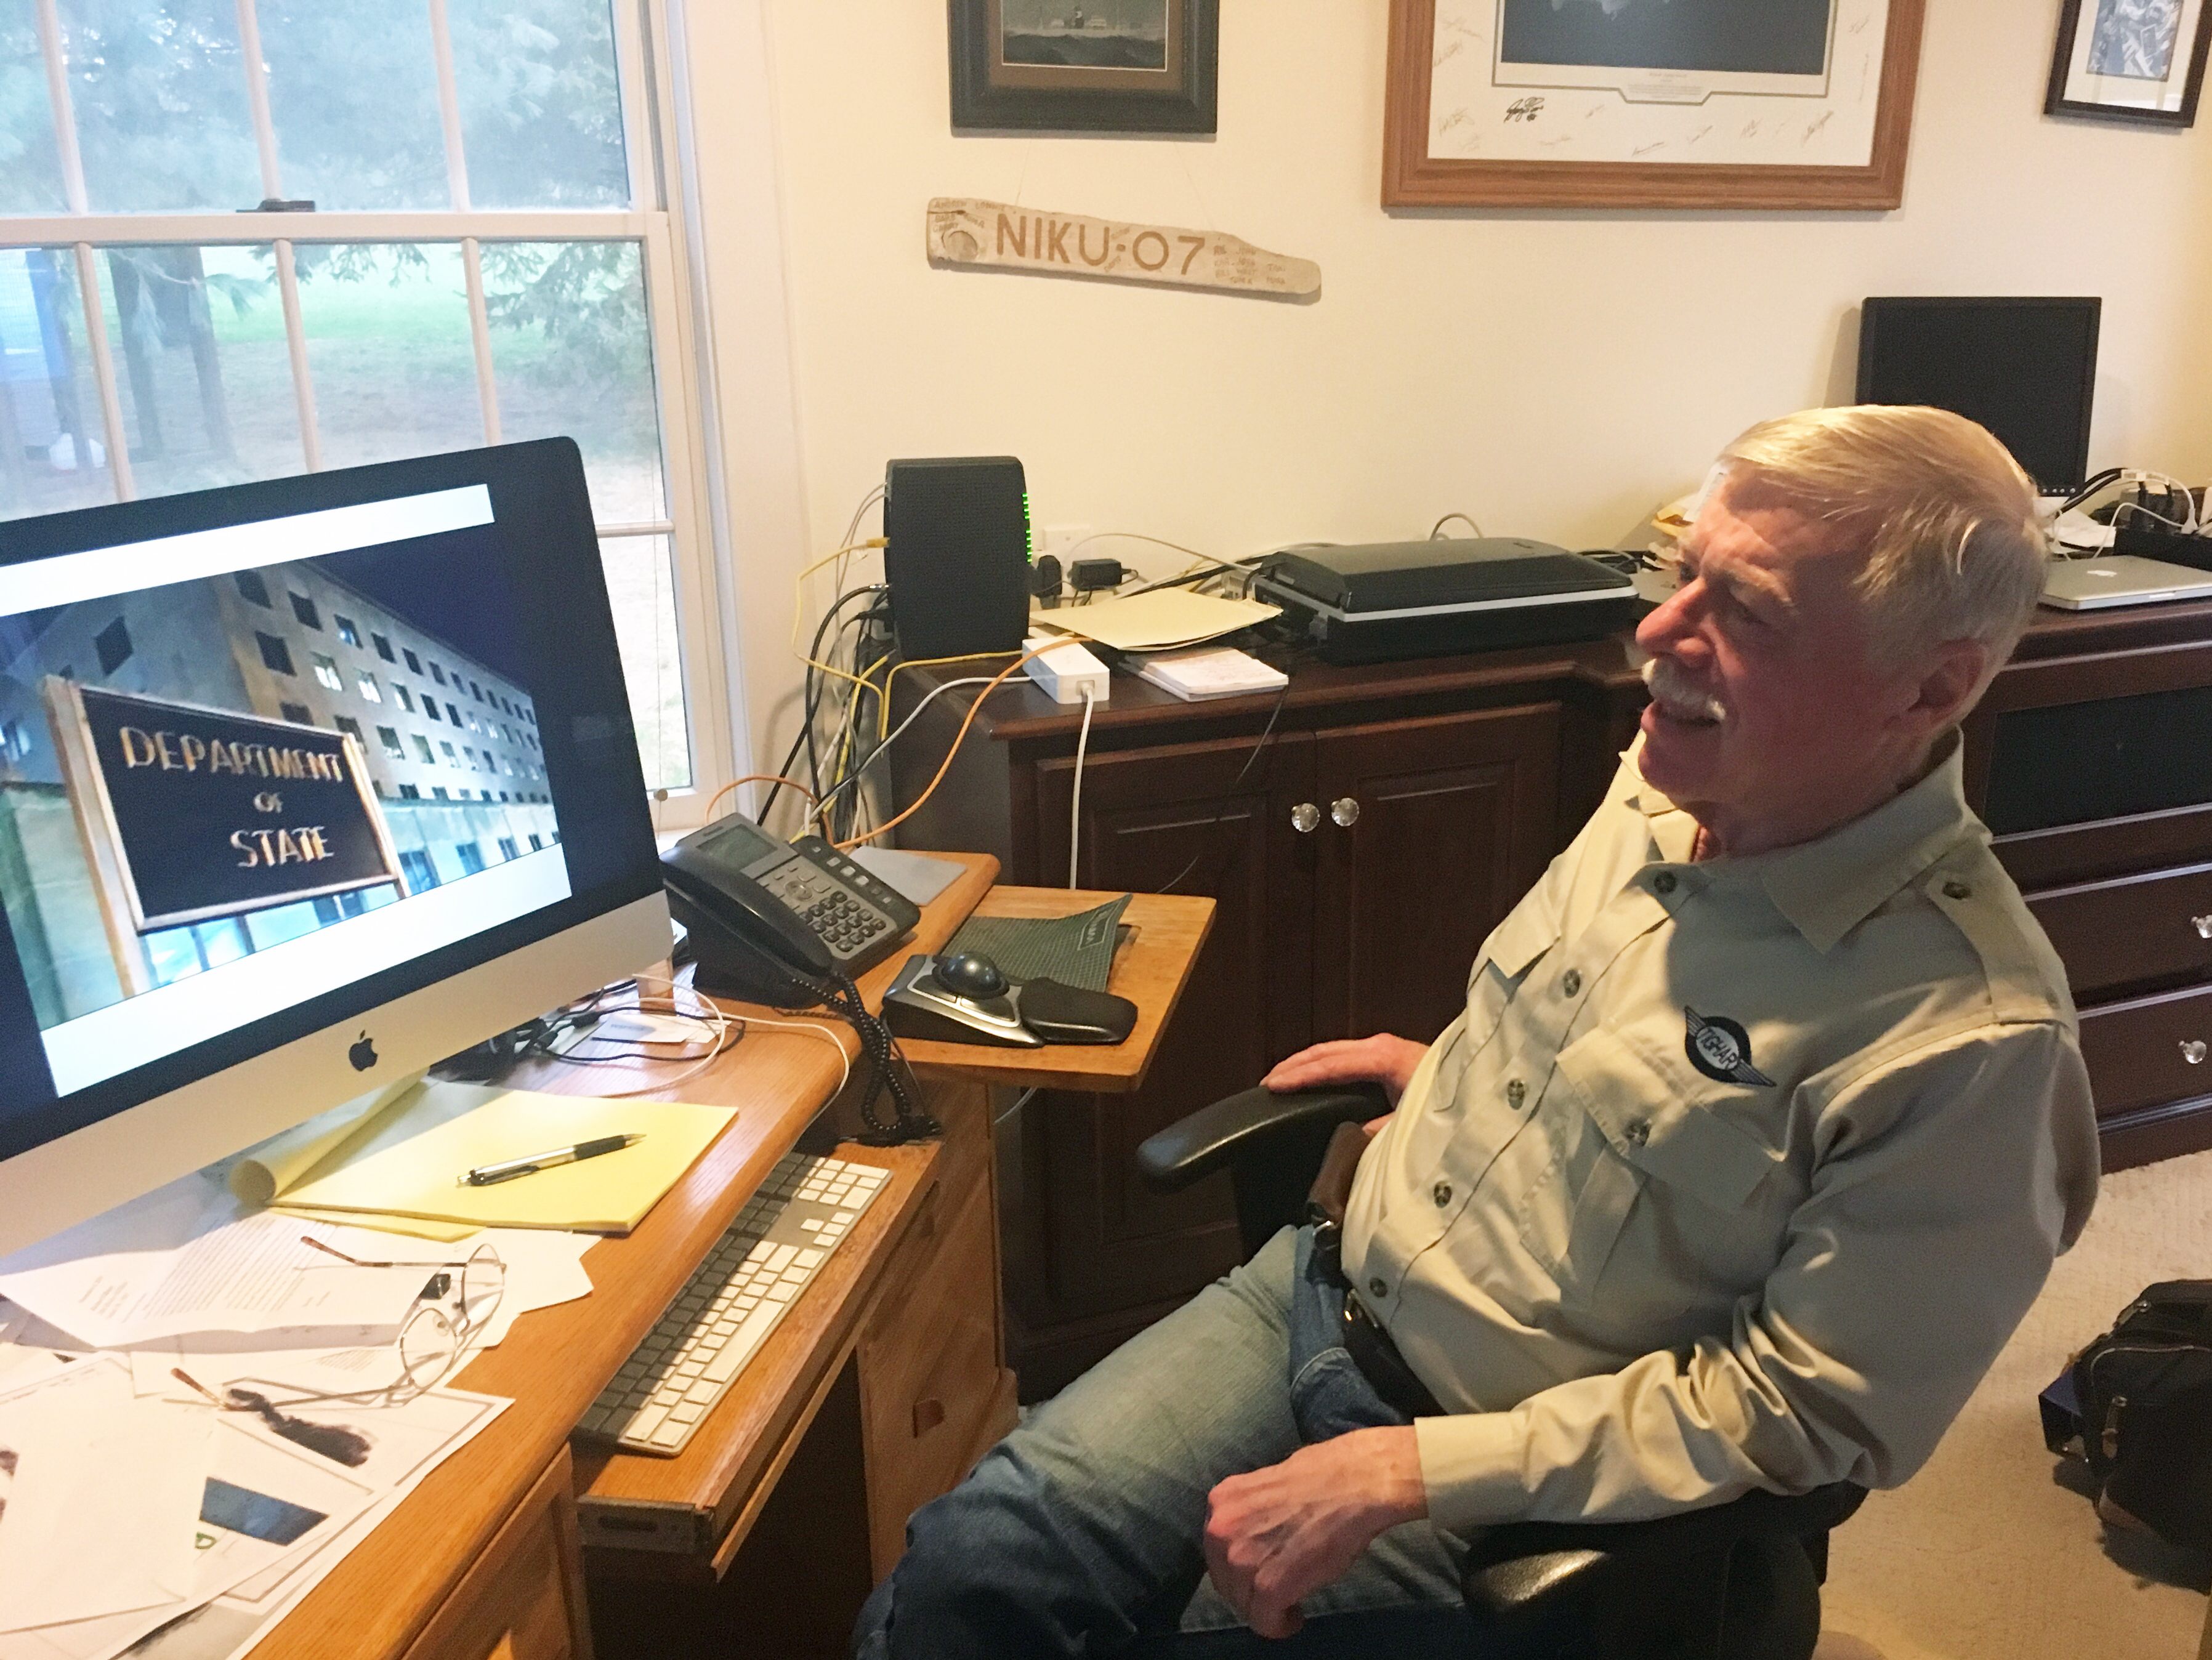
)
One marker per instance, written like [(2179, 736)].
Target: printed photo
[(1709, 37), (196, 773), (2136, 39), (1101, 34)]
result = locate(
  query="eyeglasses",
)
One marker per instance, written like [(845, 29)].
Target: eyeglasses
[(454, 1312)]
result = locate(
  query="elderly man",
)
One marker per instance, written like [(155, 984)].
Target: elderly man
[(1762, 1125)]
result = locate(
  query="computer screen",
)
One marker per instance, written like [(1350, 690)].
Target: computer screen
[(2024, 367), (274, 758)]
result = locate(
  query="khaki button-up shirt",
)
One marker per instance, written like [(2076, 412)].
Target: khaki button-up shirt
[(1733, 1175)]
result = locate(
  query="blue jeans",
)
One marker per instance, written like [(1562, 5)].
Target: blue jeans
[(1082, 1532)]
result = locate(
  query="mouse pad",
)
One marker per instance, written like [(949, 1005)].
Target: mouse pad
[(1076, 950)]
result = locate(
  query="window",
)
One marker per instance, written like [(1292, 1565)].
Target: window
[(393, 746), (509, 848), (366, 681), (399, 693), (408, 792), (537, 843), (383, 647), (348, 726), (347, 631), (299, 714), (476, 691), (473, 727), (251, 585), (304, 609), (471, 754), (438, 791), (471, 855), (13, 744), (414, 663), (437, 674), (113, 645), (276, 655), (423, 752), (452, 759), (422, 875), (485, 794), (454, 710), (492, 258), (430, 708), (326, 671)]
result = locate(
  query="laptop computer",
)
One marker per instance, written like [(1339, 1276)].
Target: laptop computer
[(2121, 580)]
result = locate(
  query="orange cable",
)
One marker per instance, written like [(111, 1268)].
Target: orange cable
[(959, 737), (758, 778)]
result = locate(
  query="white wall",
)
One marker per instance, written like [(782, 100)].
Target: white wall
[(1553, 374)]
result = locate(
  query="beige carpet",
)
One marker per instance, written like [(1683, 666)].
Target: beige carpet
[(1983, 1556)]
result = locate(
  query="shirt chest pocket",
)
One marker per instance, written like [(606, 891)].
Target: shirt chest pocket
[(1634, 1132), (1513, 949)]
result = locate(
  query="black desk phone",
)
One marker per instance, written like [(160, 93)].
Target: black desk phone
[(766, 915)]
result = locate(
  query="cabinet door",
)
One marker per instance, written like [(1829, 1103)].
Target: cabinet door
[(1452, 820), (523, 1599), (1085, 1239)]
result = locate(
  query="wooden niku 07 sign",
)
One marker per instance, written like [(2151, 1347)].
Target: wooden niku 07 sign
[(194, 814), (966, 231)]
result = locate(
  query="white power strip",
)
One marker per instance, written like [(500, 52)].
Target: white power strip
[(1068, 670)]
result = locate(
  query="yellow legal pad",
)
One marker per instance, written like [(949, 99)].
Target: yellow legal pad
[(400, 1153)]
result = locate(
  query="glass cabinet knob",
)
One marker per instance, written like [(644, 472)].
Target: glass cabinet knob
[(2192, 1050), (1306, 818), (2203, 926), (1344, 811)]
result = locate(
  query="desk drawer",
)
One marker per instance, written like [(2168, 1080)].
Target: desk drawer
[(930, 1376), (2132, 934), (2149, 1051)]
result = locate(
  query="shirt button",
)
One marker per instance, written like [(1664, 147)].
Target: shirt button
[(1441, 1193), (1378, 1287), (1663, 883), (1515, 1093), (1957, 889), (1639, 1132), (1571, 982)]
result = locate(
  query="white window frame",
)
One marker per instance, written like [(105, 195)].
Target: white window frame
[(643, 65)]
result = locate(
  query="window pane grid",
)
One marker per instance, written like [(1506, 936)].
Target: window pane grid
[(568, 310)]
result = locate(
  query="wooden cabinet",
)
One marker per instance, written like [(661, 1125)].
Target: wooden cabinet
[(523, 1599), (1360, 840), (2091, 762)]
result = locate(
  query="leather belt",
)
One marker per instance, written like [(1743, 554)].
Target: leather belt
[(1380, 1363)]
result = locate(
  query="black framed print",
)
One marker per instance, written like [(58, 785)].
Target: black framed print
[(2131, 60), (1085, 65)]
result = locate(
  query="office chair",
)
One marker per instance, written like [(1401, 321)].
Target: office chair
[(1737, 1581)]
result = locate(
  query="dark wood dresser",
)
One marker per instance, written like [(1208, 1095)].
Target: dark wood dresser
[(1397, 812)]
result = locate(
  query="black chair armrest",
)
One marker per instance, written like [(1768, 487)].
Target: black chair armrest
[(1714, 1527), (1240, 1127), (1739, 1578)]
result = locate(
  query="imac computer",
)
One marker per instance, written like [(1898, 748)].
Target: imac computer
[(304, 784), (2024, 367)]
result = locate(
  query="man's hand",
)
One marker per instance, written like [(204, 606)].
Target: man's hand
[(1380, 1059), (1279, 1534)]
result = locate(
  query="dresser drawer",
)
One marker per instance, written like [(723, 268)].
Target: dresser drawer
[(2149, 1051), (2131, 934)]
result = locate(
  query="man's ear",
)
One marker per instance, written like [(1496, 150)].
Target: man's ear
[(1950, 682)]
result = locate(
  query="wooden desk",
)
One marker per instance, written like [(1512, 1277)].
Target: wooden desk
[(484, 1557)]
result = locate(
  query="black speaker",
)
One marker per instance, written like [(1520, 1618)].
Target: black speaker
[(957, 555)]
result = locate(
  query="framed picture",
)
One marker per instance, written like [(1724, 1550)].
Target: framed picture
[(1650, 103), (2131, 60), (1085, 65)]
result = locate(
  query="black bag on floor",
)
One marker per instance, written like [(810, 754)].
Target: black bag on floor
[(2137, 1405)]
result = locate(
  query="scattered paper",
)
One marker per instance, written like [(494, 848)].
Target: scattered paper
[(183, 1259), (106, 1492)]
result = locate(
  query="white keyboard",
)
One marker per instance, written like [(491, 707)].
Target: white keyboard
[(724, 1312)]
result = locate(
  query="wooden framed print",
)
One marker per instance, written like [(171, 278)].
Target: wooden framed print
[(1097, 66), (2131, 60), (1776, 104)]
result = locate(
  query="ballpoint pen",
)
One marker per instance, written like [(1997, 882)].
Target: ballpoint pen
[(508, 1169)]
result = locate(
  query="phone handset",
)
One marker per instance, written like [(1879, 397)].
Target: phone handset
[(742, 905)]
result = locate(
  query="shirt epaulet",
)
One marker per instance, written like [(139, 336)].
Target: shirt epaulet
[(1970, 888)]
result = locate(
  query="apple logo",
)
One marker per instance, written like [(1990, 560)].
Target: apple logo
[(364, 1052)]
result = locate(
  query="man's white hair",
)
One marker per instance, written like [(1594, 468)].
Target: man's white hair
[(1954, 548)]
